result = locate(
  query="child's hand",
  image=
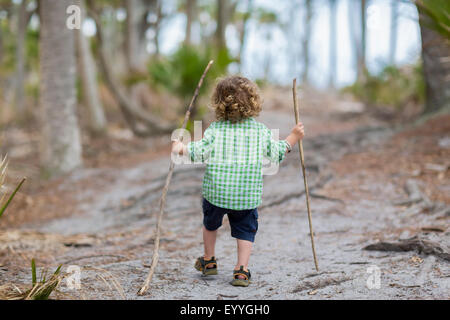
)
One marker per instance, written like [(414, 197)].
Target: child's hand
[(298, 131), (178, 147)]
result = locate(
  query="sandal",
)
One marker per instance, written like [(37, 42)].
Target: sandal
[(241, 282), (207, 267)]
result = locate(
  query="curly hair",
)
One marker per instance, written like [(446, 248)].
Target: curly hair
[(236, 98)]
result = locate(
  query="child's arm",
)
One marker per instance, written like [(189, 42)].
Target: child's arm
[(179, 148), (196, 150), (276, 150), (297, 133)]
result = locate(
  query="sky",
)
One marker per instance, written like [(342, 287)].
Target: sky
[(283, 44)]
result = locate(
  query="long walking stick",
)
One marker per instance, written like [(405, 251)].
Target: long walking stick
[(162, 202), (302, 160)]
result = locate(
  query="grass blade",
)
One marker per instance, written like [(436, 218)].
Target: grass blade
[(33, 272), (3, 208), (57, 270)]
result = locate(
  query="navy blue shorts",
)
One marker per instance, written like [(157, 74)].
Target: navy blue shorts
[(243, 223)]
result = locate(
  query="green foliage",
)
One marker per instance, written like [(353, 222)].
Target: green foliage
[(262, 83), (9, 48), (265, 16), (135, 78), (4, 205), (32, 48), (180, 72), (41, 290), (392, 87), (33, 272), (438, 14)]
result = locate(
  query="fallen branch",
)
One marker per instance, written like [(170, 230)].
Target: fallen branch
[(18, 239), (162, 204), (95, 256), (319, 196), (415, 243), (321, 283), (434, 229), (220, 296)]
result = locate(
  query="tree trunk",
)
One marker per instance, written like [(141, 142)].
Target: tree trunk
[(61, 145), (268, 58), (222, 9), (1, 46), (243, 35), (393, 37), (332, 79), (19, 98), (132, 35), (305, 42), (190, 11), (436, 67), (114, 39), (158, 26), (87, 72), (354, 40), (362, 45)]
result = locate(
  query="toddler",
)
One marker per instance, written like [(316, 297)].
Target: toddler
[(233, 147)]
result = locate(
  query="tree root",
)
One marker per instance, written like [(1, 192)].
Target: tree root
[(321, 283), (415, 243), (319, 196)]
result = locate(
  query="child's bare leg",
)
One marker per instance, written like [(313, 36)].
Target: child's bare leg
[(244, 251), (209, 242)]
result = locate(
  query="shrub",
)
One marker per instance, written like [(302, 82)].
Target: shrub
[(180, 72), (394, 86)]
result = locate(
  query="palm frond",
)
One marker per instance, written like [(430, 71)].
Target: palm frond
[(435, 14)]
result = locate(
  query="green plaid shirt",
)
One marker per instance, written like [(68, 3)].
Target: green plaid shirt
[(234, 155)]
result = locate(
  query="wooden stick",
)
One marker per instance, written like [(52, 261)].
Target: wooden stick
[(302, 160), (162, 202)]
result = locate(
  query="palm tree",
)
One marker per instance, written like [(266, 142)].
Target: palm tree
[(435, 30), (243, 34), (333, 53), (358, 34), (305, 42), (362, 68), (20, 57), (222, 8), (87, 72), (61, 146), (190, 14), (393, 34)]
